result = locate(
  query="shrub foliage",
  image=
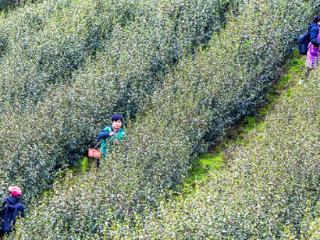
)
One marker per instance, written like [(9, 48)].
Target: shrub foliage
[(37, 60), (194, 105), (52, 111)]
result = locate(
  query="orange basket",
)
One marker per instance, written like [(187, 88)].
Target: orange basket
[(94, 152)]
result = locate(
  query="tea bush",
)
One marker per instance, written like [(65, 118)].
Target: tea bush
[(47, 57), (312, 230), (20, 23), (6, 4), (194, 105), (53, 133)]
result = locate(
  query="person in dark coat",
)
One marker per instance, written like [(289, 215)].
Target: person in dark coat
[(11, 209), (313, 48), (314, 31)]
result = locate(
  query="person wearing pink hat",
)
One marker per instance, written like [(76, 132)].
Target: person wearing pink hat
[(11, 209)]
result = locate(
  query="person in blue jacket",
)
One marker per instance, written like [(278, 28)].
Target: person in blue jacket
[(11, 209), (314, 30), (313, 48), (110, 135)]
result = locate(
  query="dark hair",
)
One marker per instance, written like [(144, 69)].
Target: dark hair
[(116, 117), (316, 19)]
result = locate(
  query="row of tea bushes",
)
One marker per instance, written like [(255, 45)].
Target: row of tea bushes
[(23, 22), (270, 189), (5, 5), (38, 59), (196, 103), (54, 132)]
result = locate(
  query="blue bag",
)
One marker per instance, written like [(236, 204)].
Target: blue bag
[(303, 43)]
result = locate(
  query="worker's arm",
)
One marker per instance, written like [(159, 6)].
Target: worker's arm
[(104, 134)]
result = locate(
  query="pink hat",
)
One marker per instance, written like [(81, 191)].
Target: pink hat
[(15, 191)]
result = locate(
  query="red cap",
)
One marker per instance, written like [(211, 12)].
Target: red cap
[(15, 191)]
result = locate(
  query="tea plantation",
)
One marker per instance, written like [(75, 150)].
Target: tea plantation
[(182, 73)]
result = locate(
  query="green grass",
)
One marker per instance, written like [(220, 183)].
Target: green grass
[(84, 165), (207, 163)]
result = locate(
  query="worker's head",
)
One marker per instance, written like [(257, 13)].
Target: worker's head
[(117, 121), (15, 191), (316, 19)]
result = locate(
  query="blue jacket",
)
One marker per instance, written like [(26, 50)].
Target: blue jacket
[(11, 209), (314, 31)]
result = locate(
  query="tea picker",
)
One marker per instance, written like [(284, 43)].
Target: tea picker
[(107, 137), (11, 209)]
